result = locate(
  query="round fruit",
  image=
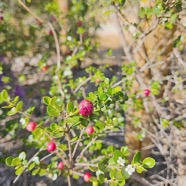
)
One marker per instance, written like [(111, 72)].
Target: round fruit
[(147, 92), (45, 68), (60, 165), (86, 108), (90, 129), (79, 23), (51, 146), (31, 126), (87, 176)]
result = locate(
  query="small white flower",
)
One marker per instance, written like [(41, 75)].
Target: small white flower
[(121, 161), (22, 121), (130, 169), (99, 172)]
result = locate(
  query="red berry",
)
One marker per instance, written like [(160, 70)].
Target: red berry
[(86, 107), (50, 32), (45, 68), (87, 176), (60, 165), (51, 146), (90, 129), (1, 18), (147, 92), (79, 23), (31, 126)]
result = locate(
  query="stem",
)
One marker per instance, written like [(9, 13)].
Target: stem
[(28, 164), (28, 9), (83, 151), (85, 165), (77, 144), (80, 174), (69, 148), (69, 180), (56, 43), (47, 156), (84, 82)]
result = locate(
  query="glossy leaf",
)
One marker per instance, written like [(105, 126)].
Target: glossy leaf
[(52, 111), (9, 160), (136, 158), (149, 162), (19, 170)]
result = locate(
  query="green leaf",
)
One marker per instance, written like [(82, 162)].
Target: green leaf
[(52, 111), (140, 169), (164, 123), (117, 154), (116, 90), (19, 105), (100, 125), (125, 151), (136, 158), (22, 156), (124, 173), (38, 132), (9, 160), (101, 166), (12, 111), (100, 91), (54, 126), (16, 99), (4, 95), (118, 176), (93, 169), (103, 97), (112, 173), (149, 162), (16, 161), (101, 178), (34, 172), (74, 139), (70, 107), (53, 101), (113, 183), (92, 96), (19, 170), (73, 119), (42, 172), (63, 147), (31, 166), (46, 100), (121, 2)]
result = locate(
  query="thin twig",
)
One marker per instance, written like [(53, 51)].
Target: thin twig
[(28, 164), (56, 43), (77, 144), (69, 180), (80, 85), (83, 151)]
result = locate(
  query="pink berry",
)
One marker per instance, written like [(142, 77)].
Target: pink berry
[(90, 129), (79, 24), (147, 92), (60, 165), (51, 146), (50, 32), (87, 176), (45, 68), (86, 108), (31, 126)]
